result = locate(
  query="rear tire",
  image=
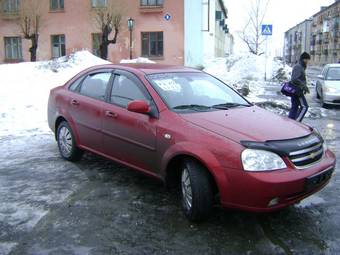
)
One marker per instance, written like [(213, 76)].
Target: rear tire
[(67, 144), (197, 193)]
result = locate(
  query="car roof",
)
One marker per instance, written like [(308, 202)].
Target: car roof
[(149, 68)]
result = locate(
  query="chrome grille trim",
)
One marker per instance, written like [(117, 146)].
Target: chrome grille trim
[(295, 153), (308, 157)]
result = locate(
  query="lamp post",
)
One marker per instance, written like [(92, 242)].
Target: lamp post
[(131, 24)]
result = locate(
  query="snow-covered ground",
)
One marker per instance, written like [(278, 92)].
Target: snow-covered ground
[(24, 90)]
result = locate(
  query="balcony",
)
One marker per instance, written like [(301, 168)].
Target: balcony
[(151, 6)]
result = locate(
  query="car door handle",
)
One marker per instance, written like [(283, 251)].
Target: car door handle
[(74, 102), (111, 114)]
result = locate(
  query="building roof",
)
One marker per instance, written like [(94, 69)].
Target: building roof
[(326, 8)]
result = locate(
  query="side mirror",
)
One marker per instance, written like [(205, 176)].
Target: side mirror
[(139, 106), (320, 76)]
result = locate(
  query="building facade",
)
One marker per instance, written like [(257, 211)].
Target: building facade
[(297, 41), (167, 31), (325, 34), (318, 35), (214, 28), (67, 26)]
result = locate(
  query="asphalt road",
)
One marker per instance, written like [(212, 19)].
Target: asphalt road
[(50, 206)]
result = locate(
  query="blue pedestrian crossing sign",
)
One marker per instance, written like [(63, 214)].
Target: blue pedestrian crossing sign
[(167, 17), (267, 29)]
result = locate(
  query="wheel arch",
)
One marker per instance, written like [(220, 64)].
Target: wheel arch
[(173, 171)]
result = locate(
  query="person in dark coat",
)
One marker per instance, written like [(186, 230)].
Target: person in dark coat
[(299, 103)]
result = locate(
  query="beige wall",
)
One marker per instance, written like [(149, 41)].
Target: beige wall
[(77, 23)]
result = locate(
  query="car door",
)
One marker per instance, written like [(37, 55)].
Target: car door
[(128, 136), (86, 108)]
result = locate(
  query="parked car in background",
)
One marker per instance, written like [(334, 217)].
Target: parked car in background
[(328, 85), (191, 131)]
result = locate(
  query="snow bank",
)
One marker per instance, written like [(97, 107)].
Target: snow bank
[(247, 70), (137, 60), (24, 90)]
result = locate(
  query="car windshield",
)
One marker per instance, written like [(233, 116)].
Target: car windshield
[(195, 92), (333, 74)]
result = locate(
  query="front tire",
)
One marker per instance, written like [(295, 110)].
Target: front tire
[(323, 104), (67, 144), (317, 93), (197, 193)]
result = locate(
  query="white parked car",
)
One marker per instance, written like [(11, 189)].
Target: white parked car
[(328, 85)]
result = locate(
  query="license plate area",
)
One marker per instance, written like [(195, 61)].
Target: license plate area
[(317, 180)]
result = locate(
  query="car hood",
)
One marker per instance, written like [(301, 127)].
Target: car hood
[(248, 124)]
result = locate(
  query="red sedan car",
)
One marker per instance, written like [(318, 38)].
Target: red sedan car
[(189, 129)]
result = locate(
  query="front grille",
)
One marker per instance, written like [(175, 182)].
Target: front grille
[(307, 156)]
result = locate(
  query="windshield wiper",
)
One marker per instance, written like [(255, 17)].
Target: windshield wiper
[(195, 107), (229, 105)]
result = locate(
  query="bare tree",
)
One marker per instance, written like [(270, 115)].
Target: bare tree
[(251, 33), (109, 21), (29, 21)]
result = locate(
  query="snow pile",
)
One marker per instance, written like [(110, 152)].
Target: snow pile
[(137, 60), (247, 71), (24, 90)]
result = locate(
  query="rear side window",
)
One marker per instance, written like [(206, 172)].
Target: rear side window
[(95, 85)]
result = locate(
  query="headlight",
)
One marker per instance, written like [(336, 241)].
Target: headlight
[(260, 160), (330, 90)]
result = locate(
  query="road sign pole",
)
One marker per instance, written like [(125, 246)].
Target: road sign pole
[(267, 30), (266, 59)]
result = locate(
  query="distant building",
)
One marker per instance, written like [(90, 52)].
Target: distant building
[(205, 35), (297, 41), (318, 35), (325, 35), (167, 31)]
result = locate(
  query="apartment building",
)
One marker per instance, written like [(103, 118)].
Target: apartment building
[(167, 31), (297, 41), (318, 35), (325, 34)]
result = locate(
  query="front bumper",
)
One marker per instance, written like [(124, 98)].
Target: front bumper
[(331, 98), (270, 191)]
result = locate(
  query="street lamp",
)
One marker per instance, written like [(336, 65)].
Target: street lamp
[(131, 24)]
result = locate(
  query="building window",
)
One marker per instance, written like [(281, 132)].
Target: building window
[(10, 6), (96, 41), (98, 3), (58, 46), (56, 5), (152, 44), (13, 49), (151, 3)]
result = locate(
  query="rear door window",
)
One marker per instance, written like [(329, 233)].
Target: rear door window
[(95, 85)]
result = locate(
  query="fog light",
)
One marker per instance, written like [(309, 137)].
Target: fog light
[(273, 202)]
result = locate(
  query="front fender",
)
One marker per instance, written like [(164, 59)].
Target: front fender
[(202, 154)]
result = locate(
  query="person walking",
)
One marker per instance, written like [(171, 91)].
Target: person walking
[(299, 106)]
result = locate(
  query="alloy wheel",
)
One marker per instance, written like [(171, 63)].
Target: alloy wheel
[(65, 141), (186, 189)]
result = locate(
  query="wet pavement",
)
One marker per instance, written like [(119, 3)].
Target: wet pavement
[(50, 206)]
